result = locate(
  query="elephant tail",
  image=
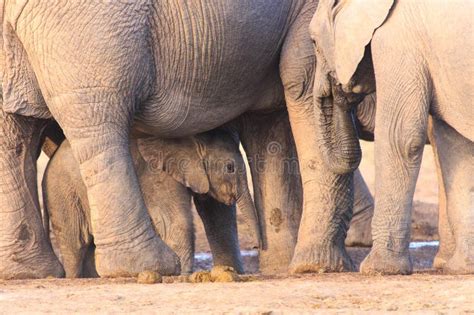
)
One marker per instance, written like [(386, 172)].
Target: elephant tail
[(53, 136), (51, 143), (45, 213)]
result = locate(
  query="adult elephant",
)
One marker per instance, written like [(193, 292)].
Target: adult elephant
[(173, 69), (416, 55)]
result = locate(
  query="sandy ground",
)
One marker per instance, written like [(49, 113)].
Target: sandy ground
[(323, 294), (424, 292)]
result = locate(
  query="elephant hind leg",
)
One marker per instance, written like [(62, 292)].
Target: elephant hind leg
[(360, 230), (456, 159), (446, 237), (277, 185), (24, 249)]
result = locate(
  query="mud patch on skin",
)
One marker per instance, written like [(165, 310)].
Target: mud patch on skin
[(312, 164), (276, 219), (24, 234)]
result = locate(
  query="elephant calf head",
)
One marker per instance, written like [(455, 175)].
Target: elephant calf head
[(209, 163)]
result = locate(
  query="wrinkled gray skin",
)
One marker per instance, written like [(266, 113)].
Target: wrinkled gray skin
[(419, 55), (174, 69), (167, 198)]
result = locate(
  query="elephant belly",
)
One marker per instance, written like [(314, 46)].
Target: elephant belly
[(183, 115), (214, 61)]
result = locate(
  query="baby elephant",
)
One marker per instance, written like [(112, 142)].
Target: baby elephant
[(208, 166)]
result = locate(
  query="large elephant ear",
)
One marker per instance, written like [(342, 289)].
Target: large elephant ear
[(179, 158), (355, 22)]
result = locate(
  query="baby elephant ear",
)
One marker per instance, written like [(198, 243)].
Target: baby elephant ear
[(354, 25), (178, 158), (195, 177)]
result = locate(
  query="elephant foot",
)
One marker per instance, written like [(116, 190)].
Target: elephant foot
[(385, 262), (152, 255), (360, 233), (20, 265), (321, 259), (460, 263)]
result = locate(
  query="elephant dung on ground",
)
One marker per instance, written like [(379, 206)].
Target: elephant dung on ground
[(208, 166), (416, 55)]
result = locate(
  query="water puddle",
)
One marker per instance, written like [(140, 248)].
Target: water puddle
[(208, 256), (415, 245), (254, 252)]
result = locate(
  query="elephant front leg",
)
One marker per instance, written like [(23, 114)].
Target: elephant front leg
[(327, 197), (126, 243), (401, 126), (220, 223), (278, 195), (24, 250)]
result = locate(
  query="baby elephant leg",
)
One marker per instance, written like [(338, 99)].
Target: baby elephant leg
[(220, 223), (66, 207)]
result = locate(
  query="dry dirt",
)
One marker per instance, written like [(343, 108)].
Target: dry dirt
[(424, 292)]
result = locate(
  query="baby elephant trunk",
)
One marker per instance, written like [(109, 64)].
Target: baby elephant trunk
[(247, 209)]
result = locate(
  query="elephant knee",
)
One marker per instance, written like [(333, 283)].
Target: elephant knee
[(411, 148)]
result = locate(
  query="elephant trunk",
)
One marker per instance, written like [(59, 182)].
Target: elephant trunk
[(338, 138), (249, 213)]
